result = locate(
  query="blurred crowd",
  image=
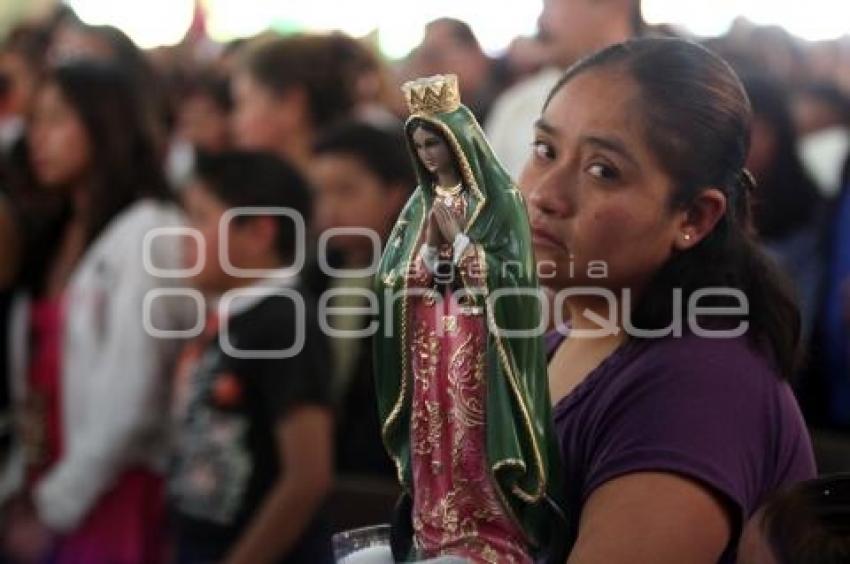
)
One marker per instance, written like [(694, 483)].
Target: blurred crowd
[(102, 143)]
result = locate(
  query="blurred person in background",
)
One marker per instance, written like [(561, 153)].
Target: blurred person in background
[(450, 46), (22, 56), (806, 524), (362, 177), (90, 385), (73, 39), (203, 107), (822, 118), (253, 458), (286, 90), (827, 389), (228, 59), (788, 209), (376, 99), (568, 30), (773, 50), (820, 105), (203, 116), (10, 255)]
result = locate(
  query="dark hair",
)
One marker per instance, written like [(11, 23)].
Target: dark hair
[(127, 56), (460, 31), (257, 179), (126, 162), (419, 123), (316, 63), (697, 118), (829, 94), (211, 85), (810, 523), (30, 42), (787, 197), (380, 151)]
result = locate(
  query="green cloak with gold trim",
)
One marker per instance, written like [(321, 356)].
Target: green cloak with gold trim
[(521, 448)]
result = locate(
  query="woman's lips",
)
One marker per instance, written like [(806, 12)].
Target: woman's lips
[(542, 237)]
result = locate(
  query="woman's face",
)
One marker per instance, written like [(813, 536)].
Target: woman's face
[(261, 120), (433, 152), (60, 151), (597, 196)]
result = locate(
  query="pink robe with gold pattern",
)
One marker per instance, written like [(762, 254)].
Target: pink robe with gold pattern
[(456, 507)]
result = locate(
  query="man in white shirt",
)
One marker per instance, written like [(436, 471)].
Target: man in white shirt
[(569, 29)]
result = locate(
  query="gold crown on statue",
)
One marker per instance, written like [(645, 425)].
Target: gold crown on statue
[(432, 95)]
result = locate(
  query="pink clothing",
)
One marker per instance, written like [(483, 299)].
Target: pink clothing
[(43, 412), (456, 507), (125, 526)]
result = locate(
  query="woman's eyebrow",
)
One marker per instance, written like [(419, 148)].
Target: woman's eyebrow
[(546, 127), (611, 144)]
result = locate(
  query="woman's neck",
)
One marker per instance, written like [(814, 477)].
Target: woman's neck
[(594, 335), (80, 192), (594, 318)]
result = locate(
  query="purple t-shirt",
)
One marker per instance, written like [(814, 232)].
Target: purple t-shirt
[(714, 410)]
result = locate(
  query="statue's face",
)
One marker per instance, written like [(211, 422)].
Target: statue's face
[(433, 152)]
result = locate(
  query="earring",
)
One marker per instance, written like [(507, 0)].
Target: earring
[(687, 236)]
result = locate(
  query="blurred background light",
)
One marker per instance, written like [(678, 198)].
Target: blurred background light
[(398, 24), (813, 20), (149, 23)]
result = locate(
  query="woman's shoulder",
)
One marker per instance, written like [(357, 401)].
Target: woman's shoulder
[(138, 220), (719, 357), (711, 408), (147, 213), (132, 235), (731, 374)]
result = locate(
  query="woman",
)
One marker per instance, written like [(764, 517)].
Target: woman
[(92, 384), (464, 409), (287, 90), (673, 427)]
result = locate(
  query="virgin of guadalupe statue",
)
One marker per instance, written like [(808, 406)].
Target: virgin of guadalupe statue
[(462, 391)]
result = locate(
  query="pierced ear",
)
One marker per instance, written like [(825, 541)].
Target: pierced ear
[(700, 218)]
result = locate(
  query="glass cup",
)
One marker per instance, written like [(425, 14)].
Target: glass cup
[(367, 545)]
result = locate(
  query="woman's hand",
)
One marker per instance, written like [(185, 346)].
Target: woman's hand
[(434, 236), (449, 226)]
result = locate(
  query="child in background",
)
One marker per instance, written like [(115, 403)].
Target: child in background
[(361, 176), (253, 434), (807, 524)]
